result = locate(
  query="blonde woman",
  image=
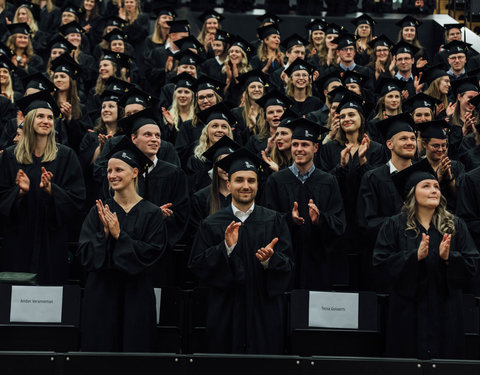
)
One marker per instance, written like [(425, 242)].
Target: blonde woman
[(269, 57), (164, 14), (364, 25), (41, 192), (20, 43), (218, 120), (316, 37), (6, 83), (136, 27), (50, 15), (429, 257)]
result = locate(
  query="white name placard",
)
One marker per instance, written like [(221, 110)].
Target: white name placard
[(36, 304), (333, 310), (158, 298)]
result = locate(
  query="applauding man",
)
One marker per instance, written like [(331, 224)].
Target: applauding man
[(243, 254), (312, 202)]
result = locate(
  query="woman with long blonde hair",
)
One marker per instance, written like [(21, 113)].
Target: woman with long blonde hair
[(364, 26), (299, 87), (429, 257), (210, 20), (20, 43), (164, 14), (269, 57), (41, 193), (6, 82), (236, 64)]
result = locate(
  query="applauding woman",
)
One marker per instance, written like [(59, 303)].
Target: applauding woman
[(41, 191), (429, 256), (118, 243)]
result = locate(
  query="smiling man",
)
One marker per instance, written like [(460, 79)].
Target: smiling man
[(165, 185), (243, 254), (313, 205)]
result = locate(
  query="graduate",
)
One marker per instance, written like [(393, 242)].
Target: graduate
[(429, 256), (377, 197), (120, 240), (243, 254), (166, 185), (450, 173), (41, 192), (313, 205)]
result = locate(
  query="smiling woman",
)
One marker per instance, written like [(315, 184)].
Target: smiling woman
[(41, 191)]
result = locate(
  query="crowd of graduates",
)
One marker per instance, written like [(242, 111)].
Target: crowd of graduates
[(323, 160)]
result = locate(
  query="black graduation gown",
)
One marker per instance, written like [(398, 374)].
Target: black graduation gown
[(320, 116), (256, 63), (201, 207), (310, 104), (256, 145), (213, 69), (471, 158), (187, 138), (246, 305), (36, 226), (425, 313), (197, 172), (317, 262), (119, 302)]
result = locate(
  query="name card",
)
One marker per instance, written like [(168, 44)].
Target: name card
[(36, 304), (158, 298), (333, 310)]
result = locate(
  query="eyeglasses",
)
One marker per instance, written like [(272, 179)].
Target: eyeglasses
[(437, 146), (348, 49), (201, 98)]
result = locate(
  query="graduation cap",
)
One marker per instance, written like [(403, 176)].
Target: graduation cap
[(72, 7), (187, 57), (354, 101), (474, 73), (241, 160), (336, 95), (238, 41), (433, 129), (179, 26), (462, 85), (210, 13), (274, 97), (306, 130), (119, 85), (381, 41), (223, 36), (71, 28), (134, 122), (6, 63), (126, 151), (475, 101), (364, 19), (449, 26), (457, 46), (334, 75), (33, 8), (293, 40), (404, 47), (287, 117), (110, 55), (345, 40), (408, 21), (61, 42), (421, 100), (354, 77), (189, 42), (160, 9), (389, 84), (38, 81), (115, 34), (115, 21), (396, 124), (111, 96), (217, 112), (406, 179), (184, 80), (299, 64), (265, 31), (124, 60), (333, 28), (431, 73), (137, 96), (269, 18), (66, 64), (255, 75), (5, 51), (204, 83), (224, 146), (316, 24), (41, 99), (19, 28)]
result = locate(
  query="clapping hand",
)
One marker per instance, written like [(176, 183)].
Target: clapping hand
[(444, 249), (423, 247), (45, 179), (297, 219), (23, 182), (231, 233), (266, 252)]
